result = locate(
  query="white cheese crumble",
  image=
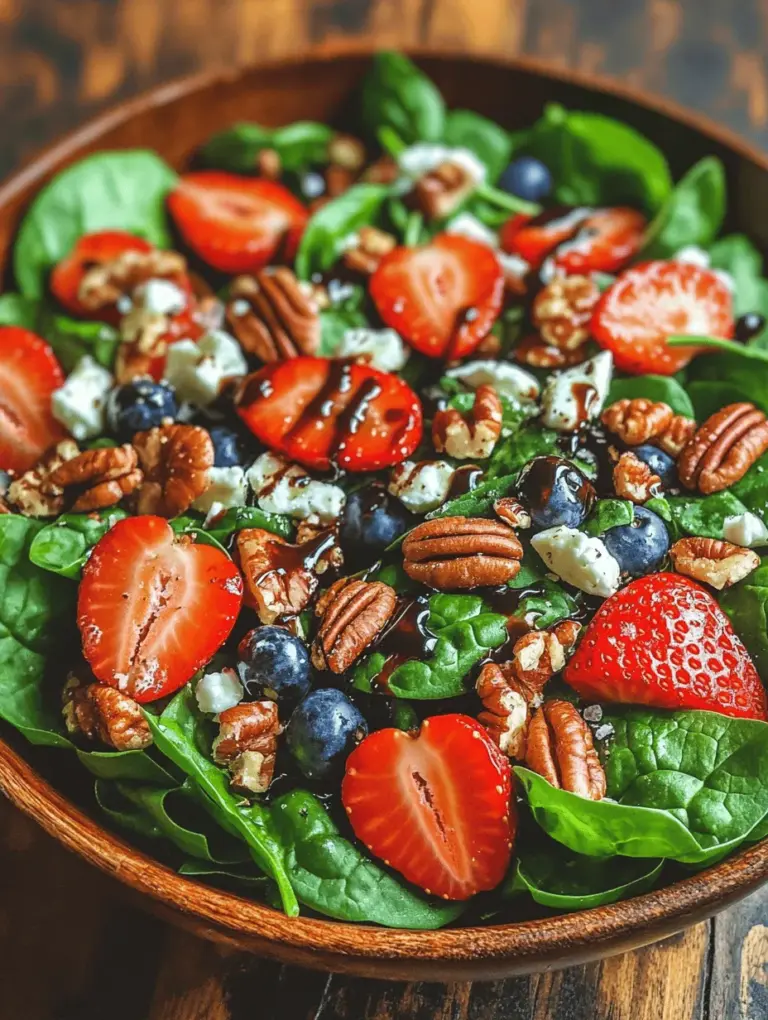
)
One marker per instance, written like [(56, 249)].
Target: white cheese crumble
[(285, 488), (226, 487), (385, 347), (421, 486), (197, 370), (160, 297), (507, 379), (216, 692), (79, 404), (420, 159), (467, 225), (578, 394), (579, 560), (745, 529)]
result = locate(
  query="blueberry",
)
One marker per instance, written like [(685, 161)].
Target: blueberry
[(641, 546), (5, 481), (748, 326), (139, 405), (274, 664), (527, 178), (323, 730), (555, 492), (659, 462), (227, 450), (371, 521)]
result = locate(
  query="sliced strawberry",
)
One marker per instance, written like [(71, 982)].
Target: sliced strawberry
[(90, 251), (152, 609), (443, 297), (237, 224), (435, 805), (664, 641), (29, 373), (654, 300), (533, 238), (323, 411)]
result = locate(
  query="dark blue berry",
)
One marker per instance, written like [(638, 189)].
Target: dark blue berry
[(527, 178), (639, 547), (659, 462), (555, 492), (274, 664), (323, 730), (371, 521), (5, 481), (139, 405), (227, 450), (748, 326)]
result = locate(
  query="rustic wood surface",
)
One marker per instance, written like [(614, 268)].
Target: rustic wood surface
[(69, 947)]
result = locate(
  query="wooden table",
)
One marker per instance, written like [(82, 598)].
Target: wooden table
[(70, 949)]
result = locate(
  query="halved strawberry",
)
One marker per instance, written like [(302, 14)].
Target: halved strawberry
[(654, 300), (443, 297), (29, 373), (152, 608), (435, 805), (324, 411), (237, 224), (91, 250), (664, 641)]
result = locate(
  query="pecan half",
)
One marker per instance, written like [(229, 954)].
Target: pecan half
[(273, 316), (472, 435), (441, 191), (634, 480), (99, 712), (559, 747), (371, 247), (353, 614), (638, 420), (512, 512), (713, 561), (247, 744), (540, 654), (724, 448), (532, 351), (280, 578), (505, 709), (461, 552), (96, 478), (32, 493), (562, 311), (175, 460), (106, 282)]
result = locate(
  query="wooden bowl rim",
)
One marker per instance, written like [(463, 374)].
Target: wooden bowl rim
[(236, 916)]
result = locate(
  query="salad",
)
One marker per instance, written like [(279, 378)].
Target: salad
[(382, 513)]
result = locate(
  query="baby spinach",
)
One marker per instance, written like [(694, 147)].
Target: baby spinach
[(489, 142), (239, 517), (736, 254), (746, 605), (464, 629), (178, 734), (607, 514), (398, 96), (723, 378), (226, 873), (477, 502), (662, 388), (757, 355), (17, 310), (123, 190), (64, 546), (547, 605), (330, 875), (332, 226), (702, 515), (532, 571), (135, 765), (71, 339), (752, 489), (299, 146), (692, 214), (513, 453)]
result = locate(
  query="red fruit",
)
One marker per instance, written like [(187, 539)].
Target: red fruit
[(152, 609), (443, 297), (533, 238), (435, 805), (237, 224), (322, 411), (663, 641), (29, 373), (655, 300), (91, 250)]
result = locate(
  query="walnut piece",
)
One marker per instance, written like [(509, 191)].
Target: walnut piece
[(713, 561), (273, 315), (99, 712), (634, 480), (469, 436), (440, 191), (638, 420), (33, 493), (175, 460), (532, 351), (280, 579), (354, 613), (676, 436), (247, 745), (452, 553), (347, 151), (371, 247), (559, 747), (562, 311), (96, 479), (724, 448), (106, 282)]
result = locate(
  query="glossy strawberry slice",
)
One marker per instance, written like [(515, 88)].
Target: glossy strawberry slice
[(664, 641), (655, 300), (237, 224), (443, 297), (90, 251), (435, 805), (321, 411), (29, 373), (533, 238), (152, 609)]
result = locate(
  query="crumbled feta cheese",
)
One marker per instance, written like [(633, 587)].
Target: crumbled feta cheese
[(284, 488), (216, 692), (467, 225), (387, 350), (507, 379), (513, 265), (577, 395), (422, 486), (420, 159), (579, 560), (160, 297), (197, 370), (745, 529), (79, 404), (226, 487)]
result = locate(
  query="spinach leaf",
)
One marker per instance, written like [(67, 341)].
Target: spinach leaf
[(64, 546), (703, 515), (607, 514), (239, 517), (396, 95), (71, 339), (546, 606), (123, 190), (752, 489), (692, 214), (330, 229), (489, 142), (178, 735), (227, 873), (330, 875), (465, 630), (720, 379), (299, 146), (746, 605), (757, 356), (513, 453), (134, 765), (663, 388), (194, 526), (17, 310), (477, 502), (532, 571), (33, 608), (736, 254), (342, 315)]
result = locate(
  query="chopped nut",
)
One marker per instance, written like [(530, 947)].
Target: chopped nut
[(538, 655), (536, 354), (337, 180), (348, 152), (637, 421), (372, 245), (633, 479), (106, 282), (269, 164), (451, 553), (676, 436), (440, 191), (512, 513), (560, 748), (33, 494), (280, 579), (354, 612), (332, 556), (471, 436), (384, 171), (247, 744), (273, 316), (103, 713), (724, 448), (712, 561), (95, 479), (175, 460), (562, 311)]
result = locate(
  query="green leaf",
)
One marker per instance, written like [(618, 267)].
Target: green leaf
[(333, 877), (17, 310), (607, 514), (71, 339), (655, 387), (512, 454), (229, 873), (398, 96), (736, 254), (334, 323), (239, 517), (490, 143), (123, 190), (703, 515), (134, 765), (478, 501), (752, 489), (299, 146), (720, 379), (746, 605), (63, 547), (758, 356), (546, 606), (331, 227), (692, 214), (178, 735)]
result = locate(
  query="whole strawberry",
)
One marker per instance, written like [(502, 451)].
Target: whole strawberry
[(663, 641)]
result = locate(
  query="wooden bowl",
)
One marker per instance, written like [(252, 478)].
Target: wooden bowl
[(174, 120)]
